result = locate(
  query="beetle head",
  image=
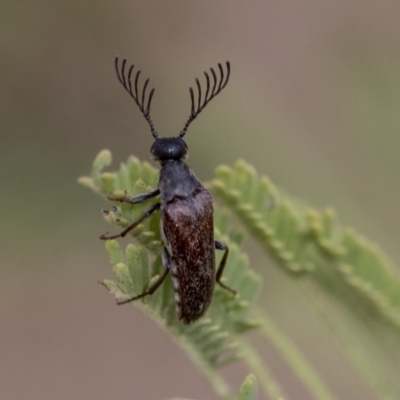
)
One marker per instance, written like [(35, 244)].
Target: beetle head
[(169, 148)]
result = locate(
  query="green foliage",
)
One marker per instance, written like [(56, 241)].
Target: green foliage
[(249, 390), (212, 341), (331, 264), (336, 262), (311, 242)]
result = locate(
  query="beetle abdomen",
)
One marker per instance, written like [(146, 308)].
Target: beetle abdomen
[(189, 234)]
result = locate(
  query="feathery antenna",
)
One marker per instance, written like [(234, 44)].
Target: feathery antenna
[(218, 84), (140, 98)]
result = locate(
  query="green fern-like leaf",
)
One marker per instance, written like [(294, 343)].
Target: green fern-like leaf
[(248, 391), (331, 264), (306, 241), (212, 341), (337, 262)]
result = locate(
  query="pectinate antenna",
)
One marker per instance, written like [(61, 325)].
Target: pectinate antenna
[(140, 98), (219, 82)]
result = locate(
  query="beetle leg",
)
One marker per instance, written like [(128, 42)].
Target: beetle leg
[(134, 224), (150, 290), (222, 246), (140, 198)]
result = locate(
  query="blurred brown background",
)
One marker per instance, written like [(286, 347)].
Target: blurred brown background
[(313, 102)]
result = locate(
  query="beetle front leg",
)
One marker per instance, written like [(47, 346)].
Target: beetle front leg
[(222, 246), (140, 198), (134, 224)]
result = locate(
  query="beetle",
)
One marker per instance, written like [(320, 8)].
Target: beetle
[(186, 206)]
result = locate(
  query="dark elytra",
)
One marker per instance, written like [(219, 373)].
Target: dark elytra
[(186, 223)]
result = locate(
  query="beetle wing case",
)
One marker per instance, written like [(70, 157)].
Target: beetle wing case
[(189, 232)]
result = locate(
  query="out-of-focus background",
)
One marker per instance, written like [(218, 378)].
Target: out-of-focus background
[(314, 102)]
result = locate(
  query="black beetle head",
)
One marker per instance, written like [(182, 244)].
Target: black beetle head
[(169, 148)]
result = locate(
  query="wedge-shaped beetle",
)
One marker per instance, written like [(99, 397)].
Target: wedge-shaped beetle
[(186, 222)]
